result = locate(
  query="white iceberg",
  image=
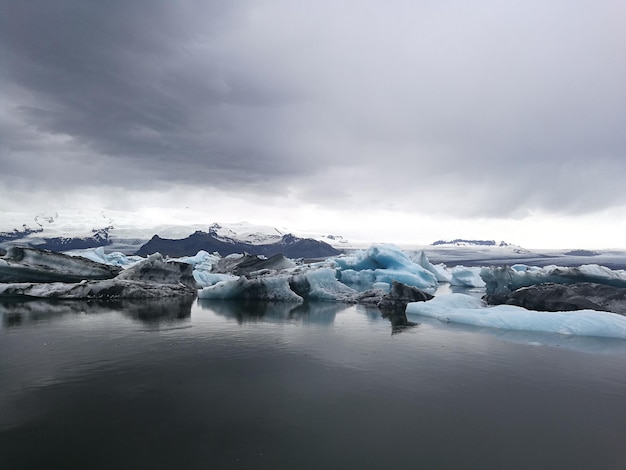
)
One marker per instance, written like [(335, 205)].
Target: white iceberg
[(201, 259), (463, 276), (440, 270), (468, 310)]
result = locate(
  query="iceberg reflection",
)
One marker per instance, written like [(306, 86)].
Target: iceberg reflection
[(16, 313), (252, 311)]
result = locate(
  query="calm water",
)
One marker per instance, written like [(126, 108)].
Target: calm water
[(229, 385)]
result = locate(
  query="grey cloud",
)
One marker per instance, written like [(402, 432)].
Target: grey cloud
[(474, 109)]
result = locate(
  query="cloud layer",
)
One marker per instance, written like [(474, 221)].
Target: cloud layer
[(473, 109)]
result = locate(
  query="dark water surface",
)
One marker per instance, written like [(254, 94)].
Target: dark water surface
[(229, 385)]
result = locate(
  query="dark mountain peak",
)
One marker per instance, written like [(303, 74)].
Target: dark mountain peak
[(289, 238), (289, 246)]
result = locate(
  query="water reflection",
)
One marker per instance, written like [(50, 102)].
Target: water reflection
[(81, 391), (20, 312), (399, 321), (156, 311), (248, 311), (16, 313), (318, 313)]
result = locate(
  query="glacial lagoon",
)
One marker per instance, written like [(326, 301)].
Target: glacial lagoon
[(219, 384)]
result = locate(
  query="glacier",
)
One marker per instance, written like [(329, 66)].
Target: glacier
[(468, 310)]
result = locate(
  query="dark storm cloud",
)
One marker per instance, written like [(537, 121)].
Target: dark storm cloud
[(141, 84), (473, 108)]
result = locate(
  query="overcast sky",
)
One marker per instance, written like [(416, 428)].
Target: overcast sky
[(394, 121)]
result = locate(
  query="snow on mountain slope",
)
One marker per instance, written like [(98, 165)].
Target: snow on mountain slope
[(246, 233), (126, 232)]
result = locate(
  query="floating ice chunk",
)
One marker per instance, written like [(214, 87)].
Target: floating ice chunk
[(465, 309), (34, 265), (377, 257), (466, 277), (383, 286), (503, 280), (114, 258), (202, 258), (383, 263), (206, 279), (100, 289), (440, 270), (321, 284), (253, 264), (315, 284), (203, 264), (261, 288), (422, 280), (350, 276), (157, 270)]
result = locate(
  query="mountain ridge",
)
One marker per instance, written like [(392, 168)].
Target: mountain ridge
[(468, 242), (288, 245)]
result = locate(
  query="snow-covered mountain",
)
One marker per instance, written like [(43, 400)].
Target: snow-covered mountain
[(246, 233), (70, 230), (64, 230), (464, 242)]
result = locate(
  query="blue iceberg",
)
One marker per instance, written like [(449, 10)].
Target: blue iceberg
[(468, 310)]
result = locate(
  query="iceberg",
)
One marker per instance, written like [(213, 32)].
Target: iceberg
[(206, 279), (321, 284), (109, 289), (34, 265), (153, 278), (204, 264), (314, 284), (242, 265), (440, 270), (383, 263), (114, 258), (506, 279), (157, 270), (278, 278), (466, 277), (552, 297), (468, 310), (270, 288), (201, 259)]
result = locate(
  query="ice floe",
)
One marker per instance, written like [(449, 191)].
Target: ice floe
[(34, 265), (465, 309), (505, 279), (152, 278)]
